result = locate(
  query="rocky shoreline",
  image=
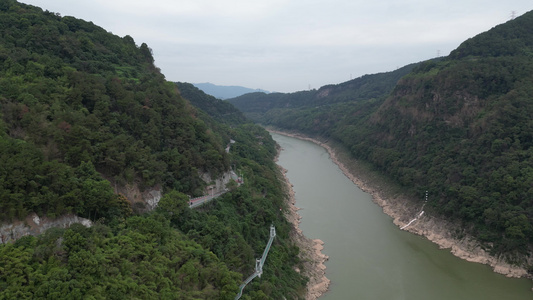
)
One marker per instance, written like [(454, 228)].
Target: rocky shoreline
[(310, 250), (402, 210)]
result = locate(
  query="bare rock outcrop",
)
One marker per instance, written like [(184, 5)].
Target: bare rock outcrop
[(35, 225)]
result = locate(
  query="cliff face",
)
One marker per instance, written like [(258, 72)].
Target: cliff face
[(217, 185), (35, 225), (140, 200)]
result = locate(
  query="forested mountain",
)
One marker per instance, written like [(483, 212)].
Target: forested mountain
[(459, 127), (365, 88), (225, 92), (221, 111), (84, 112)]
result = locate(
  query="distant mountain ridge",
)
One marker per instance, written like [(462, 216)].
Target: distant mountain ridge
[(225, 92), (373, 86)]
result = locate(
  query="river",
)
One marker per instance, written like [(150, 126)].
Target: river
[(370, 257)]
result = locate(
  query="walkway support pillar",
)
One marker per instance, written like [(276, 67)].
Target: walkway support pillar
[(258, 267)]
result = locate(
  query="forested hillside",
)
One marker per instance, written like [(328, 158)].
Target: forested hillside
[(459, 127), (221, 111), (84, 112), (462, 129), (364, 89)]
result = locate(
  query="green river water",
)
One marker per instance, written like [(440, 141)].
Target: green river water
[(370, 257)]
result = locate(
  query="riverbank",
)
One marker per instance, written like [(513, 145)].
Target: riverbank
[(310, 250), (402, 210)]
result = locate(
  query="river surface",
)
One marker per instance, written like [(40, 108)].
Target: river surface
[(370, 257)]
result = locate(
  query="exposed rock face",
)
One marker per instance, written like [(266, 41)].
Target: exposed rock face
[(148, 198), (152, 198), (217, 185), (35, 225)]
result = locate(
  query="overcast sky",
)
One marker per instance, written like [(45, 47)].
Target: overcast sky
[(290, 45)]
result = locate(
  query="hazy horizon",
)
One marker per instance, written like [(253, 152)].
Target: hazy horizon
[(287, 46)]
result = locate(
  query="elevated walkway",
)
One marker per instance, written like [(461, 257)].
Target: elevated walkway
[(258, 263)]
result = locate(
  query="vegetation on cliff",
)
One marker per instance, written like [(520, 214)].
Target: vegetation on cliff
[(459, 127), (83, 111)]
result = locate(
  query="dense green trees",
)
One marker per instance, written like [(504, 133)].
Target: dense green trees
[(144, 258), (31, 184)]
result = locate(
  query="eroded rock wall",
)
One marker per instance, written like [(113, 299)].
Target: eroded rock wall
[(35, 225)]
